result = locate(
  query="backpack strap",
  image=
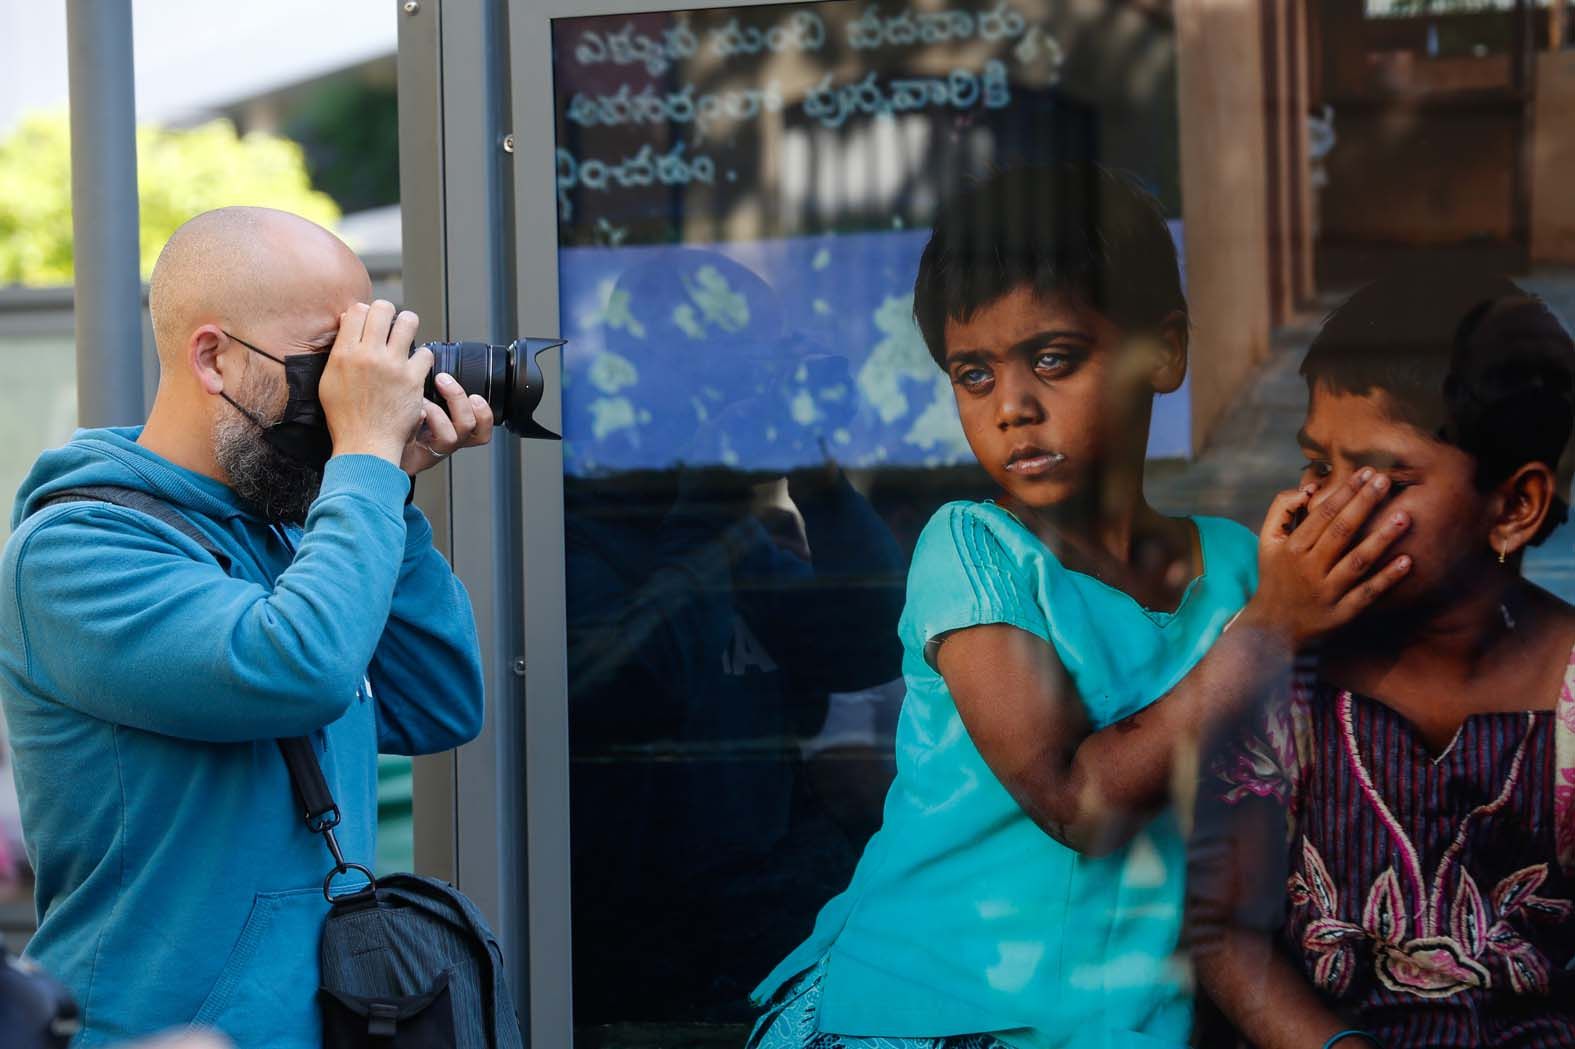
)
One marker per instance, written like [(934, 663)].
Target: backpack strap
[(1564, 771), (320, 813), (142, 502)]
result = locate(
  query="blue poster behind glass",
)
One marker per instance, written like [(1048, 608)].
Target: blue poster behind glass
[(763, 355), (744, 195)]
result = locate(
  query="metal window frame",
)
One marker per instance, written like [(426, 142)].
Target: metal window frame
[(457, 275), (111, 346), (481, 255)]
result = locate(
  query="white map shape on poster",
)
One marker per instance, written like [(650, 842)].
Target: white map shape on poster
[(894, 364)]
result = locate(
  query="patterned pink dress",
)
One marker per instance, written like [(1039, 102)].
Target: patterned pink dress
[(1429, 898)]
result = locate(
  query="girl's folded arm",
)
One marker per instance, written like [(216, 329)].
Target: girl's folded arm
[(1235, 901), (1092, 790)]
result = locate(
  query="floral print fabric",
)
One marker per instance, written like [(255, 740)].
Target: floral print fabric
[(1431, 898)]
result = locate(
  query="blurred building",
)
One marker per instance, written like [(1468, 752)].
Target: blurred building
[(1391, 128), (1452, 131), (322, 74)]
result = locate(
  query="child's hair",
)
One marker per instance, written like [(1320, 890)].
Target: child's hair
[(1069, 227), (1468, 358)]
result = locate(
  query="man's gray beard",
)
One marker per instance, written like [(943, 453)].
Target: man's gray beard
[(271, 483)]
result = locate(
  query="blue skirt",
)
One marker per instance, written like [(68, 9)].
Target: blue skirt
[(791, 1020)]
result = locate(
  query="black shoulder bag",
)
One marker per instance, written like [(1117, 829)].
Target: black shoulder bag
[(407, 962)]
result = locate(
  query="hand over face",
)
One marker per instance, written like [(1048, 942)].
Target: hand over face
[(1321, 566)]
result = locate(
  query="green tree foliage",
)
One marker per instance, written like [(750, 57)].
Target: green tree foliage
[(180, 173)]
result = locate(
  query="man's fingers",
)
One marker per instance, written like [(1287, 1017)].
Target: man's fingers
[(441, 428), (419, 365), (460, 411), (379, 319), (484, 421), (351, 324), (403, 332)]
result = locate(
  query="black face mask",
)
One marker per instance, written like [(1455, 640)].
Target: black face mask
[(302, 431)]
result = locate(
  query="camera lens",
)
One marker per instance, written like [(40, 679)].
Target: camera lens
[(507, 378)]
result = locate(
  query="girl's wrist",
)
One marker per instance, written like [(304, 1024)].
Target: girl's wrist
[(1266, 624), (1352, 1038)]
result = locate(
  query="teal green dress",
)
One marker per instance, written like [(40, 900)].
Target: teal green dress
[(963, 916)]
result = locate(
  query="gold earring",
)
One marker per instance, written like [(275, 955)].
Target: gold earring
[(1501, 548)]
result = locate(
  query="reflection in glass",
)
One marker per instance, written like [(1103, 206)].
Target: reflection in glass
[(755, 433)]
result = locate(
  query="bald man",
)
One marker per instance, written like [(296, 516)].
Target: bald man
[(145, 679)]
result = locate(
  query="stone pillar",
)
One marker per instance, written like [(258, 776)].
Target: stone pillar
[(1223, 197)]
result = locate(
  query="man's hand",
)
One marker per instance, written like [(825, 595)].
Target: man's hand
[(466, 424), (1317, 570), (371, 387)]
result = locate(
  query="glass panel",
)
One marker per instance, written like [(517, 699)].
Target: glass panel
[(755, 433), (761, 708)]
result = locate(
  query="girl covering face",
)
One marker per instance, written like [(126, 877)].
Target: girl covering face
[(1025, 887), (1391, 851)]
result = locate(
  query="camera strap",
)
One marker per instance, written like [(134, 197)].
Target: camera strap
[(319, 811)]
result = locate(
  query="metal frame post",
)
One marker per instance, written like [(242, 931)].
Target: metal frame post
[(424, 279), (457, 276), (485, 494), (104, 226), (544, 787), (544, 783)]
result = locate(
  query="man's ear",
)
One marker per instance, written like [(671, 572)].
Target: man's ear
[(1170, 369), (1526, 499), (204, 357)]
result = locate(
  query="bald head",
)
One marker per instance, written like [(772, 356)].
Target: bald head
[(245, 267)]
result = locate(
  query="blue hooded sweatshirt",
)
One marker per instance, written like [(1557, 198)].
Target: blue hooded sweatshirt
[(144, 689)]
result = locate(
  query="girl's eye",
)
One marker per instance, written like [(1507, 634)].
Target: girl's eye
[(972, 378), (1051, 362), (1319, 469)]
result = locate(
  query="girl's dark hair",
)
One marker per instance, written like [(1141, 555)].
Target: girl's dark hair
[(1075, 228), (1469, 358)]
